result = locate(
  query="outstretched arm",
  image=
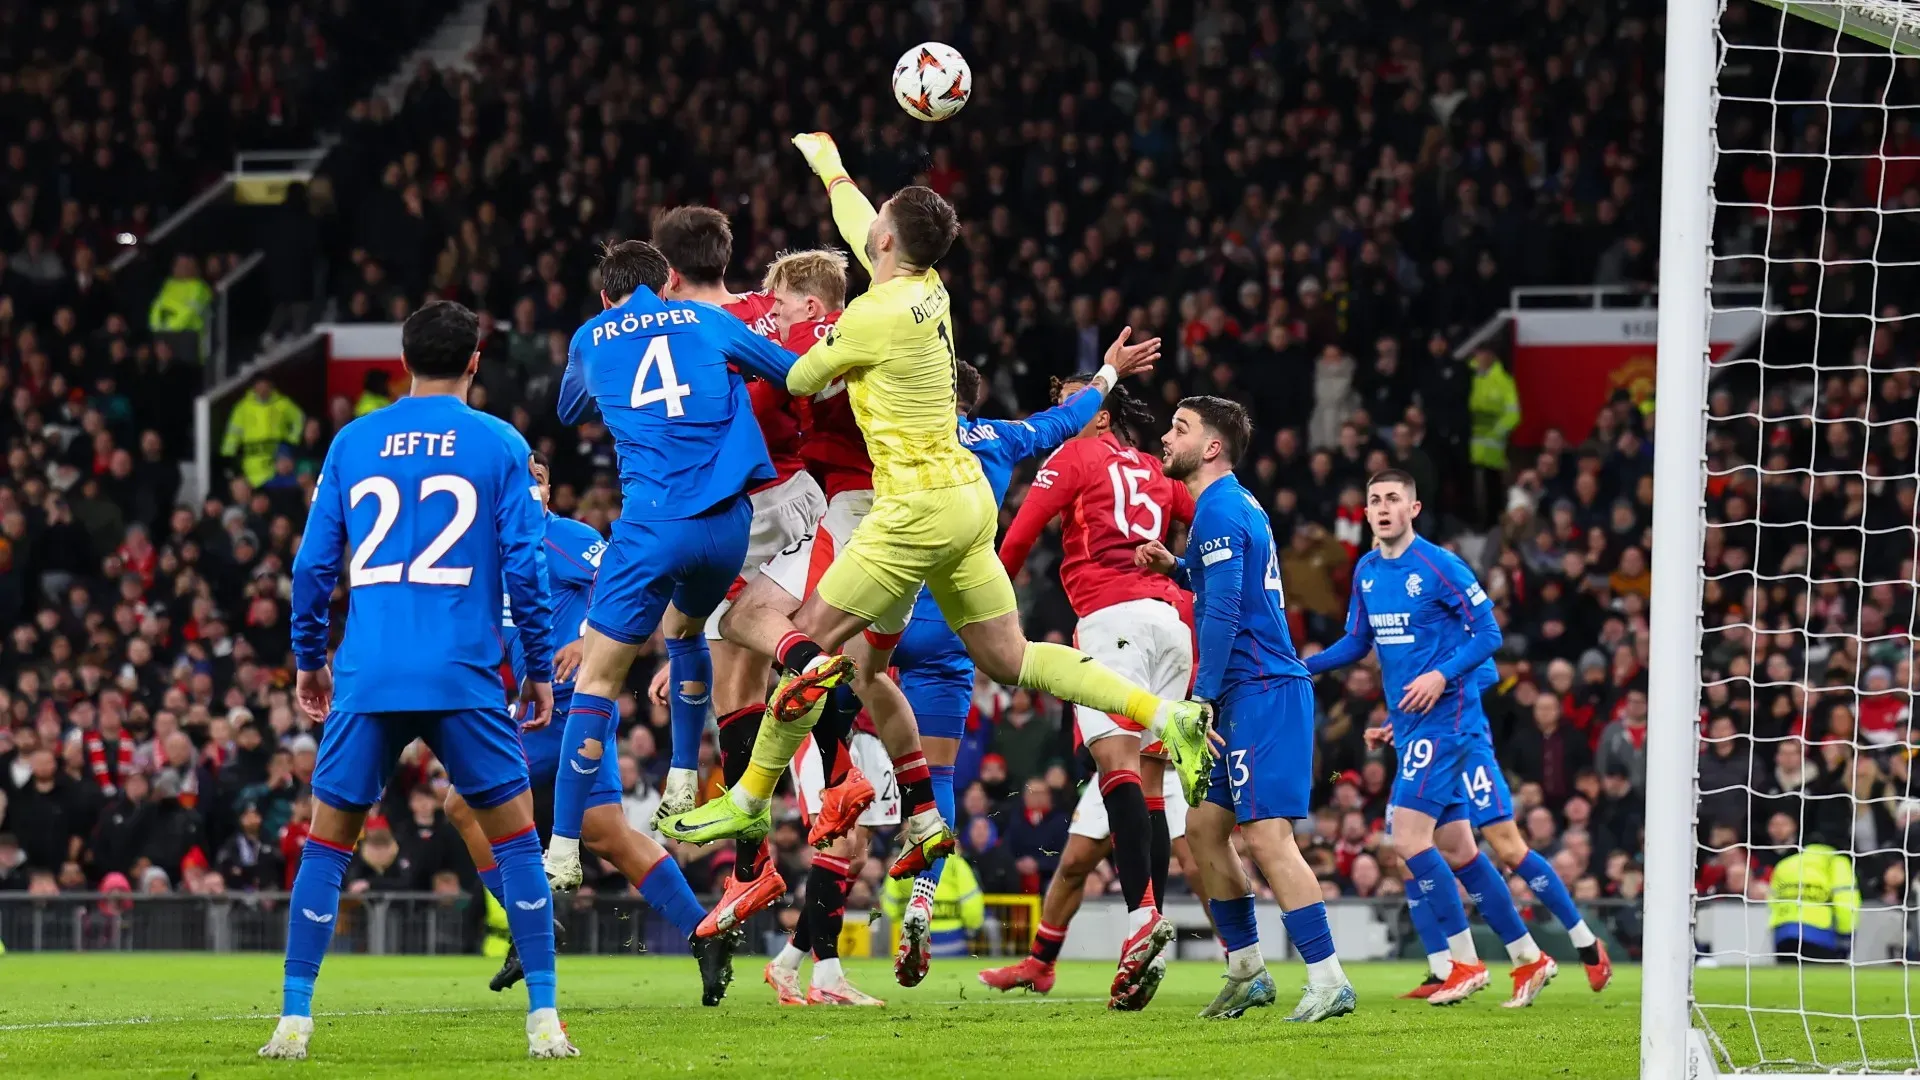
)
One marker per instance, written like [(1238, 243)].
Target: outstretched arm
[(751, 352), (852, 214), (1352, 646), (1049, 428), (854, 341)]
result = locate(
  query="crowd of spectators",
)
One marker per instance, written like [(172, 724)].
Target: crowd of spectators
[(1313, 202)]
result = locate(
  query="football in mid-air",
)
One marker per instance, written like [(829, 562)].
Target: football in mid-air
[(932, 81)]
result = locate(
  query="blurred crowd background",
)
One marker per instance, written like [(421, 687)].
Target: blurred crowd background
[(1315, 202)]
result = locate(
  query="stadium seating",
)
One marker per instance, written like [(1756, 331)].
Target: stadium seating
[(1313, 210)]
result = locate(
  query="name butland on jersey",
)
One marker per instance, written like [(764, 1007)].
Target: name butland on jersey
[(433, 507)]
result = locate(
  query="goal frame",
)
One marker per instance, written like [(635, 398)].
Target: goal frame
[(1672, 1047), (1668, 1049)]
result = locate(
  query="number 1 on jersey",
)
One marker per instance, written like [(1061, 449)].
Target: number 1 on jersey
[(659, 357)]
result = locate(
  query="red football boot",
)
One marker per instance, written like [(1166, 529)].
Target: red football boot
[(742, 900), (1029, 974), (840, 808)]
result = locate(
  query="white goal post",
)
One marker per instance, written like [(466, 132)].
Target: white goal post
[(1740, 1006)]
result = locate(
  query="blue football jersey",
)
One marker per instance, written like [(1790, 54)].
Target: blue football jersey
[(1421, 612), (1001, 445), (433, 507), (1239, 603), (573, 554), (681, 418)]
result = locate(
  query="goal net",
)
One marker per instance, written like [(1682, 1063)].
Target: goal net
[(1780, 925)]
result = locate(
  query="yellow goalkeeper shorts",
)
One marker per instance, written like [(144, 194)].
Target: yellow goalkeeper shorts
[(941, 537)]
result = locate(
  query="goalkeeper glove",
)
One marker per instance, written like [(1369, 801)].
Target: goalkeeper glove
[(823, 157)]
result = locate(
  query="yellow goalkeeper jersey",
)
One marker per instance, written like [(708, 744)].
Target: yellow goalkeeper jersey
[(894, 347)]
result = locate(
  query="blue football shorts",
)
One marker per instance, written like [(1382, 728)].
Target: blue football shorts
[(1267, 768), (689, 562), (479, 747), (1428, 774), (936, 674), (1488, 800)]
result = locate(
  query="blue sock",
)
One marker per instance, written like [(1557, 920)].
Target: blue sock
[(1438, 888), (688, 661), (490, 877), (942, 776), (529, 905), (1235, 921), (589, 720), (1431, 939), (1308, 929), (666, 890), (1488, 887), (311, 917), (1546, 884)]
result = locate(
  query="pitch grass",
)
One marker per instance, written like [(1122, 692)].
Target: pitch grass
[(196, 1016)]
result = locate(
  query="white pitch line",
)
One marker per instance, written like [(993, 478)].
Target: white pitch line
[(135, 1021)]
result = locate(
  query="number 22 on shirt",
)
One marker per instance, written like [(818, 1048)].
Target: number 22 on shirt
[(425, 568)]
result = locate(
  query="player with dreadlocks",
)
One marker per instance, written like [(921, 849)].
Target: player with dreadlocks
[(1111, 498), (931, 662)]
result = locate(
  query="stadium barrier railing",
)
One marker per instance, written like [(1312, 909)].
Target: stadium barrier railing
[(425, 923)]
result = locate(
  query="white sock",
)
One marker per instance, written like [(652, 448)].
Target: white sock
[(1522, 950), (790, 957), (1582, 937), (1439, 964), (563, 845), (1139, 917), (1326, 972), (827, 972), (541, 1017), (924, 886), (744, 801), (689, 777), (924, 824), (1245, 963), (1460, 947)]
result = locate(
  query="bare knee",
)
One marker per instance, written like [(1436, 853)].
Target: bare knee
[(1508, 848), (459, 814), (998, 647), (678, 624)]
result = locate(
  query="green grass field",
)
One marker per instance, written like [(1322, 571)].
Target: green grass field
[(200, 1016)]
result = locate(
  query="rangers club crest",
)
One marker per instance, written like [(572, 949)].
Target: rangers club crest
[(1413, 584)]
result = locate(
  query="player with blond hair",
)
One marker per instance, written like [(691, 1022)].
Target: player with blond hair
[(933, 521)]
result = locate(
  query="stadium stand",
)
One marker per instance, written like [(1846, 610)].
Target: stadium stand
[(1317, 205)]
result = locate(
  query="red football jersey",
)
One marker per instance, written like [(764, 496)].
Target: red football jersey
[(771, 404), (1111, 499), (830, 439)]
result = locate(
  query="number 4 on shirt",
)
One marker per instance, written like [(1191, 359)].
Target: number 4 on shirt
[(659, 356)]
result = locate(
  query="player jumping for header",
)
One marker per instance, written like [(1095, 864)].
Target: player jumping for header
[(689, 454), (933, 521)]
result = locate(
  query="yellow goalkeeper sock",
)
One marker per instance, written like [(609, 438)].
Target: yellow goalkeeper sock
[(1072, 675), (773, 750)]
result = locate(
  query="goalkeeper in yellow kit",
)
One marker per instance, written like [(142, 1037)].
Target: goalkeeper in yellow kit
[(933, 520)]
